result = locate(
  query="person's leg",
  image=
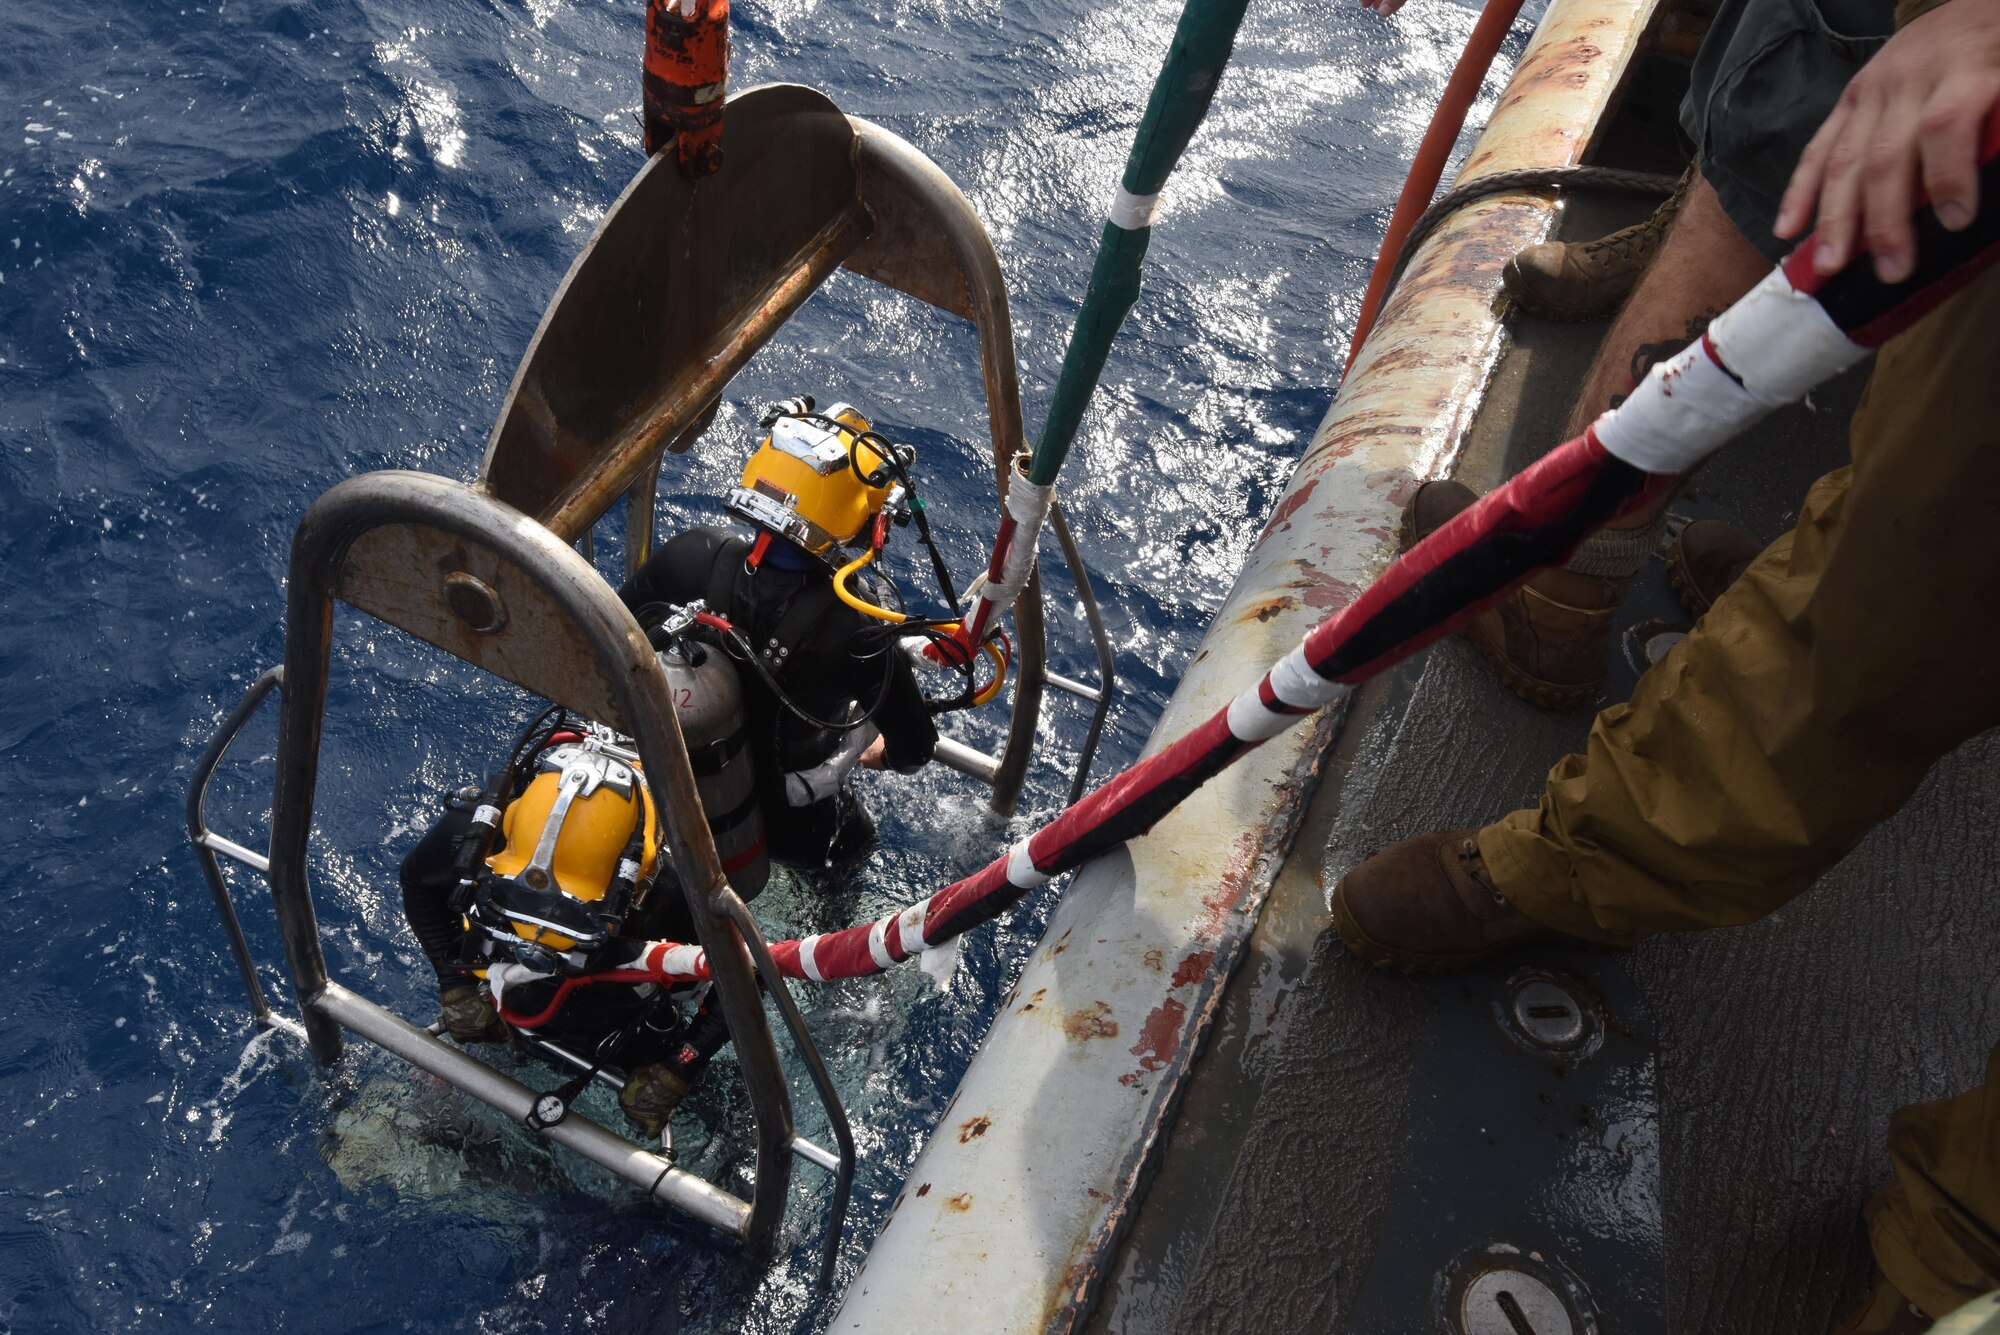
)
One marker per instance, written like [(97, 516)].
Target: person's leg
[(653, 1091), (1936, 1227), (428, 877), (1816, 693), (1803, 709), (1547, 640), (826, 833), (1705, 264)]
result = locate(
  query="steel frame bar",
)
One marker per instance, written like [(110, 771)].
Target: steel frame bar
[(393, 544), (1100, 639), (892, 173), (207, 843), (840, 1163), (691, 1195), (453, 518)]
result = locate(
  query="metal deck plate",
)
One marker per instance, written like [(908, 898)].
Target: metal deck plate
[(1530, 1174)]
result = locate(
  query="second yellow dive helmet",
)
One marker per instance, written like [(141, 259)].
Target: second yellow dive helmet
[(559, 879), (817, 479)]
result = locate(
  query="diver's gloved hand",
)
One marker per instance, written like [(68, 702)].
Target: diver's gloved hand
[(468, 1014), (650, 1096)]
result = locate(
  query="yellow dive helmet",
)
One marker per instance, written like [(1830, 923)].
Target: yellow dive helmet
[(578, 840), (817, 479)]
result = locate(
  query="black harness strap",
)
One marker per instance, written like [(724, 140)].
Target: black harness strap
[(722, 572), (797, 615), (796, 622)]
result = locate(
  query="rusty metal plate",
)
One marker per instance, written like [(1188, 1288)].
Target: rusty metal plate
[(1013, 1229), (471, 602), (648, 323), (906, 249)]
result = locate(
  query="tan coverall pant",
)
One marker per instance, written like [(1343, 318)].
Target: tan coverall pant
[(1803, 709)]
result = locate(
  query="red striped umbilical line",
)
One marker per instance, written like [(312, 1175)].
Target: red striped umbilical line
[(1794, 330)]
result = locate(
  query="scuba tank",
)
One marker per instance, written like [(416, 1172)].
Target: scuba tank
[(708, 696)]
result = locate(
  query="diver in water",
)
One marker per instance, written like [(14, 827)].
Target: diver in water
[(825, 687), (784, 680)]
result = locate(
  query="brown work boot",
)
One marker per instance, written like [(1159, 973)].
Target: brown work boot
[(1547, 639), (1885, 1312), (1426, 905), (1586, 280), (1706, 558)]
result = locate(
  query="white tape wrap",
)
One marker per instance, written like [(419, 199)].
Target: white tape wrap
[(1294, 682), (910, 928), (1028, 506), (1781, 342), (1685, 409), (500, 977), (1776, 344), (1249, 721), (681, 962), (809, 960), (878, 943), (1021, 870), (1131, 212), (940, 962)]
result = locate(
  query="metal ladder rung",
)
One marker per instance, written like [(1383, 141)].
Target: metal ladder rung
[(229, 848), (966, 760), (815, 1154), (650, 1172), (1073, 687)]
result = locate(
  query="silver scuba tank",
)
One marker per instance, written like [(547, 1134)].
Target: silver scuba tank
[(708, 696)]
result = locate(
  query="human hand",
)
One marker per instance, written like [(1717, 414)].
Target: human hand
[(1382, 7), (1913, 115), (872, 758)]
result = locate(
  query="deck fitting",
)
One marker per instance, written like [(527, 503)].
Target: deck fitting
[(474, 601), (1512, 1302), (1550, 1012)]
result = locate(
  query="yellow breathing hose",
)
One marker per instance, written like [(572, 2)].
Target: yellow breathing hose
[(868, 609), (858, 603)]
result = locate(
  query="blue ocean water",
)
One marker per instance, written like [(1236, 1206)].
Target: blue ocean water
[(250, 248)]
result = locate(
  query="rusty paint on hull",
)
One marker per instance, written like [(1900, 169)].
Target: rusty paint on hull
[(1074, 1121)]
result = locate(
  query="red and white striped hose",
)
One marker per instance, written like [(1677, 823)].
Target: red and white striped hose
[(1793, 331)]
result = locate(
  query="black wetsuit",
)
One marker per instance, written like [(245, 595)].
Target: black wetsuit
[(829, 665)]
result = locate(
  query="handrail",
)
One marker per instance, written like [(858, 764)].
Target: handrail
[(207, 843), (486, 583)]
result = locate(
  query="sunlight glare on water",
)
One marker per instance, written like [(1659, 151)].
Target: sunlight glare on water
[(251, 248)]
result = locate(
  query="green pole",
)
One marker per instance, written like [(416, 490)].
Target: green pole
[(1201, 46)]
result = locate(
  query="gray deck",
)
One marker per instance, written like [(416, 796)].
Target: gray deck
[(1327, 1149)]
